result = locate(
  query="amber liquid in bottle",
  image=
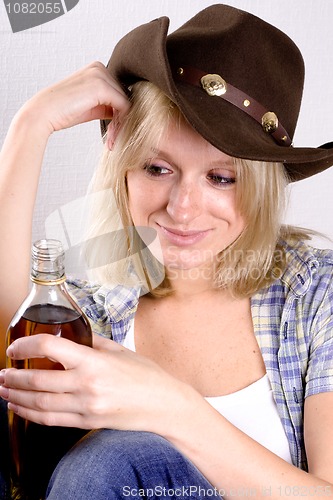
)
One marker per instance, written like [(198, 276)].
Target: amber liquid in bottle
[(37, 449)]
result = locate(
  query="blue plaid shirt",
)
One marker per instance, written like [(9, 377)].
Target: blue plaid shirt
[(293, 323)]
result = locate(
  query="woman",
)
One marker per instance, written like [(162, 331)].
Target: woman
[(232, 371)]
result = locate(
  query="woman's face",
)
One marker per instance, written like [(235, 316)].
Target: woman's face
[(186, 192)]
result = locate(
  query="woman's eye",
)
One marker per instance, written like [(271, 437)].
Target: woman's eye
[(156, 170), (221, 180)]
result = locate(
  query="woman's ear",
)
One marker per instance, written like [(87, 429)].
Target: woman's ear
[(111, 133), (113, 128), (115, 125)]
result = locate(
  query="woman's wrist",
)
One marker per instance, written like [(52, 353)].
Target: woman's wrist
[(186, 415), (30, 120)]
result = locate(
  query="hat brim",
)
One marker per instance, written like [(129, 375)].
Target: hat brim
[(222, 124)]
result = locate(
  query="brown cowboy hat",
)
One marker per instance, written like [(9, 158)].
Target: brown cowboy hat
[(237, 79)]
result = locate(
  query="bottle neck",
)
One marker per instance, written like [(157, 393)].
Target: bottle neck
[(47, 263)]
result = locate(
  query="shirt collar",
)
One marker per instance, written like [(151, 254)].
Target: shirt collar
[(119, 302), (301, 265)]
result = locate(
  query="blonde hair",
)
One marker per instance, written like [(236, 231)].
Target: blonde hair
[(254, 260)]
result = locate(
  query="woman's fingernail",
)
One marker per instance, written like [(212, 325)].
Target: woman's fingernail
[(4, 392), (13, 408), (9, 350)]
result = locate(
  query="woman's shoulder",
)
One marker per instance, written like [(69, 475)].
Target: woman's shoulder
[(306, 266), (303, 292), (300, 252)]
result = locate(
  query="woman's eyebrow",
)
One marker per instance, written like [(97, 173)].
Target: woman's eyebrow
[(228, 163), (167, 156), (159, 152), (217, 163)]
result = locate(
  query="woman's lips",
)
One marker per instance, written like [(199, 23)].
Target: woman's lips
[(183, 238)]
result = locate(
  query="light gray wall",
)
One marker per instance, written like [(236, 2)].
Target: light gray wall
[(34, 58)]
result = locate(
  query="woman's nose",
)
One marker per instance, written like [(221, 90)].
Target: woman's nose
[(184, 203)]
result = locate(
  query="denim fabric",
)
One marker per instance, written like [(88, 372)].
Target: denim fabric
[(4, 451), (112, 464)]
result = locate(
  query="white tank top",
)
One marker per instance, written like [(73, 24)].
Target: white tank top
[(252, 409)]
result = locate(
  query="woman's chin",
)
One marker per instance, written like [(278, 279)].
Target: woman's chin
[(187, 269)]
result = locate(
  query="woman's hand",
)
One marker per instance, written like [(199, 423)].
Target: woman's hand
[(88, 94), (108, 386)]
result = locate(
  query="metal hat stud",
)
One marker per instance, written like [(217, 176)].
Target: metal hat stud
[(269, 122), (214, 84)]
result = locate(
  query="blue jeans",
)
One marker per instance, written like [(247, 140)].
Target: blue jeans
[(111, 464)]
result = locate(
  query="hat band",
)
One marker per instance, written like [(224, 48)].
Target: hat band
[(214, 85)]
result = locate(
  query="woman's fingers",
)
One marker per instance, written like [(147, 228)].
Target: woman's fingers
[(36, 388), (88, 94), (44, 402), (62, 419), (109, 94), (39, 380), (58, 349), (107, 386)]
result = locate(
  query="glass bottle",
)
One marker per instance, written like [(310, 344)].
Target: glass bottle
[(36, 449)]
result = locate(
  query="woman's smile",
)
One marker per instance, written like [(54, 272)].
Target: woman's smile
[(181, 237)]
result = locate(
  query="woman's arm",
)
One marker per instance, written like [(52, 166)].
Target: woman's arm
[(318, 435), (20, 163), (233, 462), (89, 94), (130, 392)]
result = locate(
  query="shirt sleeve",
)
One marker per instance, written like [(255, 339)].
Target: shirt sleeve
[(319, 376)]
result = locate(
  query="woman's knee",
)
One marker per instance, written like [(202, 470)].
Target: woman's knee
[(114, 464), (111, 457)]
